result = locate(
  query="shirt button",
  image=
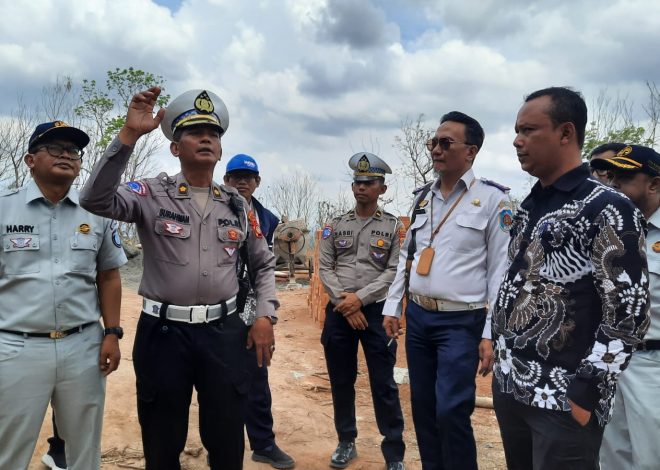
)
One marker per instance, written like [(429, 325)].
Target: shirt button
[(205, 273), (56, 260), (57, 283), (204, 248), (203, 222), (55, 238)]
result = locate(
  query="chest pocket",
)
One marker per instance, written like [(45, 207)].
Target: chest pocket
[(470, 232), (84, 249), (21, 253), (230, 239), (171, 247), (379, 249)]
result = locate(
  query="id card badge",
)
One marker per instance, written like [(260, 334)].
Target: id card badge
[(425, 260)]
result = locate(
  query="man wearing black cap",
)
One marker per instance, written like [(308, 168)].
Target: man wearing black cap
[(58, 275), (193, 231), (242, 173), (357, 262), (607, 150), (573, 303), (630, 439)]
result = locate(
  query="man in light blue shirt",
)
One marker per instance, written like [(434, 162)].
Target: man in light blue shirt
[(58, 275)]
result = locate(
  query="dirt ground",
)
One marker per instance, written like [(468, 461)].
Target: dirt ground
[(302, 404)]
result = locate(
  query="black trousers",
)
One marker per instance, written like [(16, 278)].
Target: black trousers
[(170, 358), (258, 415), (340, 343), (540, 439)]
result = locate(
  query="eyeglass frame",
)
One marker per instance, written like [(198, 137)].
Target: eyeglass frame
[(444, 142), (49, 147)]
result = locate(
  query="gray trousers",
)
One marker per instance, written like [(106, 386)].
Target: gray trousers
[(631, 438), (36, 371)]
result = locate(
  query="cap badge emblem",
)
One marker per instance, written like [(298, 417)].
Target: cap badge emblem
[(203, 103), (363, 164)]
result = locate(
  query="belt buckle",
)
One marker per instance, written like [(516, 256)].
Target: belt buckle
[(428, 303), (57, 334), (198, 314)]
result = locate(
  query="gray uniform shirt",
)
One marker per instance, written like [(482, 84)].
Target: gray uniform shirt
[(49, 260), (189, 257), (359, 257), (470, 248)]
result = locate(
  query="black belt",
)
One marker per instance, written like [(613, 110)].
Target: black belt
[(649, 345), (53, 334)]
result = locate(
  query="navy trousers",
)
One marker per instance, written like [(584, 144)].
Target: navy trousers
[(340, 343), (258, 414), (443, 355)]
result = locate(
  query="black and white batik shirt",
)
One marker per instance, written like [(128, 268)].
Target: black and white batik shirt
[(574, 302)]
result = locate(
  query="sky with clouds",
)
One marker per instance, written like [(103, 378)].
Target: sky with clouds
[(310, 82)]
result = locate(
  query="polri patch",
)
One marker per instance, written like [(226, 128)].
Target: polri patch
[(138, 187), (116, 239), (327, 231)]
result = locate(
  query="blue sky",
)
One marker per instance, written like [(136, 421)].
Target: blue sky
[(310, 82)]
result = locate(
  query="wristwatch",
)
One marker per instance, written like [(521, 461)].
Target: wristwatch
[(115, 330)]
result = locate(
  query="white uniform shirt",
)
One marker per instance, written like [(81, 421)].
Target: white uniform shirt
[(470, 248)]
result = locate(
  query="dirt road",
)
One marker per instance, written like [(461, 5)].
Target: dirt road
[(302, 405)]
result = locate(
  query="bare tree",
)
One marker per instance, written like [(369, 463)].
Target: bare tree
[(293, 196), (15, 134), (326, 209), (411, 144)]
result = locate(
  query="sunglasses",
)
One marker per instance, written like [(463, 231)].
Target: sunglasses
[(443, 142)]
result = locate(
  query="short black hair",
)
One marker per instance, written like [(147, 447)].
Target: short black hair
[(615, 147), (567, 106), (474, 133)]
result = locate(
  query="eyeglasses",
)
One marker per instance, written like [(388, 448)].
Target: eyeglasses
[(600, 173), (443, 142), (57, 151)]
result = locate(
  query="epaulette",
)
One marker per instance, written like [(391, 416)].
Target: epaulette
[(501, 187), (421, 188)]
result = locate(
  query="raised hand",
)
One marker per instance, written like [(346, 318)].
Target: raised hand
[(140, 118)]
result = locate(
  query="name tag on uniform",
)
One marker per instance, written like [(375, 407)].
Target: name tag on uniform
[(425, 260)]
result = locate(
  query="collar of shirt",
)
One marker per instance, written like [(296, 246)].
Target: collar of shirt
[(467, 178), (33, 192), (378, 215), (655, 219), (566, 183)]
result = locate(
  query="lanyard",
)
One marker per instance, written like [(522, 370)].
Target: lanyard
[(451, 209)]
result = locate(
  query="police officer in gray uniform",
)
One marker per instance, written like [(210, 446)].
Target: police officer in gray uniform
[(192, 230), (58, 275), (357, 263)]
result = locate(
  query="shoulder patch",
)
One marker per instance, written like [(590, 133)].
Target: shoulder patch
[(506, 219), (138, 187), (326, 232), (501, 187)]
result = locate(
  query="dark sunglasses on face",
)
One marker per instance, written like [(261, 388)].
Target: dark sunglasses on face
[(443, 142), (599, 173), (57, 151)]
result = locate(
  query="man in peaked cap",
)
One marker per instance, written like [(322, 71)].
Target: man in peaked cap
[(450, 266), (628, 440), (357, 262), (192, 231), (607, 150), (242, 173), (51, 344)]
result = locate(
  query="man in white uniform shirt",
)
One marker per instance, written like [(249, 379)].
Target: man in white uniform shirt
[(453, 257)]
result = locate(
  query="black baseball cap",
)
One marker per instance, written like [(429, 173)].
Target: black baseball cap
[(58, 130), (630, 159)]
